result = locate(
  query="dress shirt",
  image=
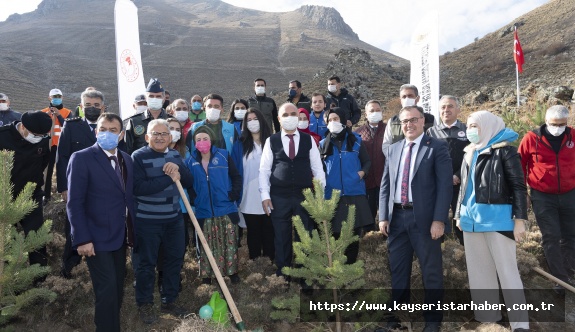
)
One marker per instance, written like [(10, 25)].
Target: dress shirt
[(108, 154), (268, 157), (414, 149)]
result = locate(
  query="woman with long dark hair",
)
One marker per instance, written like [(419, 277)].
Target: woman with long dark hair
[(237, 112)]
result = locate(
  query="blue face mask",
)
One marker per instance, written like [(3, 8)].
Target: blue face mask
[(56, 101), (292, 93), (107, 140), (196, 106), (473, 135)]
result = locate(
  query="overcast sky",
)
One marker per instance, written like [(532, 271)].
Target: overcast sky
[(383, 23)]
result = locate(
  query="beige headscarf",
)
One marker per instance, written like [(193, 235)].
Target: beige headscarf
[(489, 125)]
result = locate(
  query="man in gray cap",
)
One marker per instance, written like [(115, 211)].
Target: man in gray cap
[(30, 142), (137, 124), (140, 105), (7, 115)]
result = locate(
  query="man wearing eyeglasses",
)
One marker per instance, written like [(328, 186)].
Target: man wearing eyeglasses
[(159, 220), (137, 124), (413, 212), (29, 140)]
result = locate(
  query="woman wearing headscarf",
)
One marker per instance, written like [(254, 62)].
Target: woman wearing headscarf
[(217, 185), (303, 125), (237, 113), (346, 163), (491, 211)]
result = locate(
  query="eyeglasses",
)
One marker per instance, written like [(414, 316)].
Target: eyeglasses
[(157, 134), (412, 120), (181, 109)]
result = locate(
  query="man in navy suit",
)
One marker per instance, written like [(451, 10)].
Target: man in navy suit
[(415, 194), (100, 208)]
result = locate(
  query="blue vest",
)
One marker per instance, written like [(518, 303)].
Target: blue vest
[(341, 170), (290, 177), (316, 125)]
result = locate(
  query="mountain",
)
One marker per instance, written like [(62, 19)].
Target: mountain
[(192, 46)]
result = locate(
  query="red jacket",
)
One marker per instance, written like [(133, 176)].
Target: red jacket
[(373, 146), (545, 170)]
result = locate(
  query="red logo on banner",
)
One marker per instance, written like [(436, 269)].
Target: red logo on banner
[(129, 66)]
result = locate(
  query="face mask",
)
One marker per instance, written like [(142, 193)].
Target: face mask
[(203, 146), (56, 101), (302, 124), (181, 116), (473, 135), (332, 88), (196, 106), (33, 139), (3, 107), (141, 108), (408, 102), (155, 103), (254, 126), (556, 131), (335, 127), (92, 113), (374, 117), (239, 114), (175, 135), (292, 93), (107, 140), (213, 114), (260, 90), (289, 123)]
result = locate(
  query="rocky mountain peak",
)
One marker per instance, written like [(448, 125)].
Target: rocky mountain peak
[(327, 18)]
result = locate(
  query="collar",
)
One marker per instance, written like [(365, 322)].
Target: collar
[(417, 141), (457, 124), (285, 134), (108, 154)]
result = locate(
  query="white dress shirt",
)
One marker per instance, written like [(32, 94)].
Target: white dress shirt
[(251, 202), (268, 157), (414, 149)]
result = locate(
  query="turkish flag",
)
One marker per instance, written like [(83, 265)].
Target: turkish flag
[(518, 53)]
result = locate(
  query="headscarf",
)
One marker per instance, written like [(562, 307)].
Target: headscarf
[(315, 136), (327, 149), (489, 126)]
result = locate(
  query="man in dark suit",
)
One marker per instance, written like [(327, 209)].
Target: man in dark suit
[(415, 194), (77, 134), (100, 209)]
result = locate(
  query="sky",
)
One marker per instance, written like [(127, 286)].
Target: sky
[(384, 23)]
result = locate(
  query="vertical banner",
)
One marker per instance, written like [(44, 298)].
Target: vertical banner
[(128, 58), (425, 63)]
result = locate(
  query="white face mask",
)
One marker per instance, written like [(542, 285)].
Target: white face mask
[(141, 108), (175, 135), (289, 123), (33, 139), (155, 103), (254, 126), (181, 116), (335, 127), (407, 102), (374, 117), (260, 90), (555, 131), (239, 114), (302, 124), (332, 88), (212, 114), (3, 106)]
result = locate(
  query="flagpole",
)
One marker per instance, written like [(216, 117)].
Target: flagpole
[(517, 78)]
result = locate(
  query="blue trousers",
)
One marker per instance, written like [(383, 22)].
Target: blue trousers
[(150, 236)]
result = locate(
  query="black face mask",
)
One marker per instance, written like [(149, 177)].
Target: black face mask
[(92, 113)]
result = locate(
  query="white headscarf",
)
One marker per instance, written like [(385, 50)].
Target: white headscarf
[(489, 126)]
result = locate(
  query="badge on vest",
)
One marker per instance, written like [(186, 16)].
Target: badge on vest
[(461, 134), (215, 161), (139, 130)]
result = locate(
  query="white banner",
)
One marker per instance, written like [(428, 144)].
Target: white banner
[(425, 63), (128, 58)]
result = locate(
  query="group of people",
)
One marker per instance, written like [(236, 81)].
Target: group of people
[(120, 181)]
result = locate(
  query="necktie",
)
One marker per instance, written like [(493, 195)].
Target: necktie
[(117, 169), (405, 178), (93, 126), (291, 154)]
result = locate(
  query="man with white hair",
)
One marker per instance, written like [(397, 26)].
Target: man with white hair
[(547, 154)]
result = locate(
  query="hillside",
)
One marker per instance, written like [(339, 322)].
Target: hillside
[(193, 46)]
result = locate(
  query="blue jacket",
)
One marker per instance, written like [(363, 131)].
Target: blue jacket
[(341, 170), (216, 191), (316, 125), (238, 126), (228, 131)]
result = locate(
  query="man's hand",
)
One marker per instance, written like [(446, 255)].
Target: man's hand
[(519, 230), (384, 227), (348, 123), (437, 229), (65, 195), (170, 167), (55, 111), (86, 250), (456, 180), (361, 174), (267, 205), (175, 175)]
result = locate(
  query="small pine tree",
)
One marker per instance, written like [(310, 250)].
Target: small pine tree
[(16, 277), (321, 256)]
